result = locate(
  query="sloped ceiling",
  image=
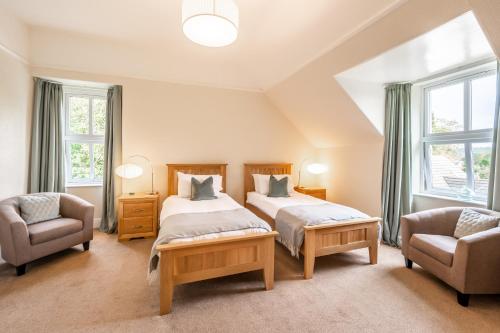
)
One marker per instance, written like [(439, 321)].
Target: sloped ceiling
[(315, 102), (300, 46), (456, 43), (144, 39)]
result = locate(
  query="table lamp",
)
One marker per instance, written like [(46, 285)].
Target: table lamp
[(131, 171)]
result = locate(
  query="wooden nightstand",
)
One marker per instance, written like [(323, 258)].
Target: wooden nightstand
[(137, 215), (316, 192)]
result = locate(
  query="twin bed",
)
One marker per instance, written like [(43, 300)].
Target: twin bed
[(200, 240)]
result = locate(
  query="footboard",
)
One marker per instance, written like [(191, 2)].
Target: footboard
[(201, 260), (325, 239)]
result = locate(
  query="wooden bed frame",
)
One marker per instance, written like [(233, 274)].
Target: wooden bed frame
[(322, 239), (205, 259)]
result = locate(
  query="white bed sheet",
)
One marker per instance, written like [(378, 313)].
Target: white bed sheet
[(271, 206), (177, 205)]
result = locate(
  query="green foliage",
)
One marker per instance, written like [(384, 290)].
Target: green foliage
[(440, 125), (80, 161), (79, 115)]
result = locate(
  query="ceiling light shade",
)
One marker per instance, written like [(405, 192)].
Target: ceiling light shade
[(317, 168), (212, 23), (129, 171)]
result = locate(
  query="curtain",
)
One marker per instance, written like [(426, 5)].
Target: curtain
[(494, 186), (46, 172), (396, 181), (112, 158)]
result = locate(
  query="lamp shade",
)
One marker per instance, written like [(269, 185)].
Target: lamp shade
[(129, 171), (317, 168), (212, 23)]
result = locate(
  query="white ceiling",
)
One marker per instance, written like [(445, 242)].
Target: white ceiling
[(276, 37), (457, 43)]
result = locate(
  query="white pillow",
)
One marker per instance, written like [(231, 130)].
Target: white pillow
[(39, 207), (184, 183), (262, 182), (471, 222)]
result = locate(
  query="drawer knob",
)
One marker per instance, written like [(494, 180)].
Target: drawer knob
[(138, 210), (138, 227)]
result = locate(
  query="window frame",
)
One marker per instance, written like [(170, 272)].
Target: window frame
[(467, 137), (91, 139)]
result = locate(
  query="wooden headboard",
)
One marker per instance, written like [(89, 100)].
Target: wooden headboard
[(263, 169), (194, 169)]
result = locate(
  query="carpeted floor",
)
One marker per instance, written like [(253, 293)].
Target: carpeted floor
[(105, 290)]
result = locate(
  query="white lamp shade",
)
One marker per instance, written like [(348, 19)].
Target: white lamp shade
[(212, 23), (317, 168), (129, 171)]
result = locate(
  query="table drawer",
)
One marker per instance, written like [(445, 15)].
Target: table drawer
[(138, 209), (134, 225)]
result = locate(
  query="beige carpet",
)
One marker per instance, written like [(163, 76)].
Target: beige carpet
[(105, 290)]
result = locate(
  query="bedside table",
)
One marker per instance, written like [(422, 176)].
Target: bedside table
[(316, 192), (137, 216)]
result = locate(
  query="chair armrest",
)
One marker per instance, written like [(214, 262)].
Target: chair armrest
[(440, 221), (14, 236), (76, 208), (476, 264)]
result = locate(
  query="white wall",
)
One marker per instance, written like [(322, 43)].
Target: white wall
[(173, 123), (15, 107)]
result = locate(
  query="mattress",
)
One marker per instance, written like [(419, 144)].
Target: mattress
[(271, 206), (178, 205)]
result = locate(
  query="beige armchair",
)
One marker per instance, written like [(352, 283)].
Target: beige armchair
[(21, 243), (470, 264)]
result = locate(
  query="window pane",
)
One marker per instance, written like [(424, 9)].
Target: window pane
[(483, 97), (80, 161), (448, 167), (99, 116), (481, 159), (79, 115), (447, 108), (98, 161)]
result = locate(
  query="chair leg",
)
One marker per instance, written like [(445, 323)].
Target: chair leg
[(463, 299), (408, 263), (86, 246), (21, 270)]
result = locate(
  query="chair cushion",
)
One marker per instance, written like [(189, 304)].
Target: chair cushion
[(39, 207), (49, 230), (441, 248), (471, 222)]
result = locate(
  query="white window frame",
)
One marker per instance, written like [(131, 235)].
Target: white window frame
[(91, 138), (466, 137)]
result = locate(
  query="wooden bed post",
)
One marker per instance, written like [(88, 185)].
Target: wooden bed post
[(373, 247), (166, 282), (269, 264), (309, 252)]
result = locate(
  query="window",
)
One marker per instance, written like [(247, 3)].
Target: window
[(85, 123), (457, 136)]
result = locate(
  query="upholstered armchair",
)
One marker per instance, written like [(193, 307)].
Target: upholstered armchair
[(470, 264), (21, 243)]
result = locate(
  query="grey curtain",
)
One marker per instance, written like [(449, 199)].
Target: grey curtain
[(494, 187), (46, 172), (396, 181), (112, 158)]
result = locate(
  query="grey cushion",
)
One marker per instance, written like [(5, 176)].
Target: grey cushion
[(278, 188), (471, 222), (441, 248), (202, 190), (49, 230), (39, 207)]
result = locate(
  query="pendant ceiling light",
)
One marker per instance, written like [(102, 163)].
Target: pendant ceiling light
[(212, 23)]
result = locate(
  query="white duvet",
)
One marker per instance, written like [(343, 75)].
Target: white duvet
[(271, 206), (177, 205)]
